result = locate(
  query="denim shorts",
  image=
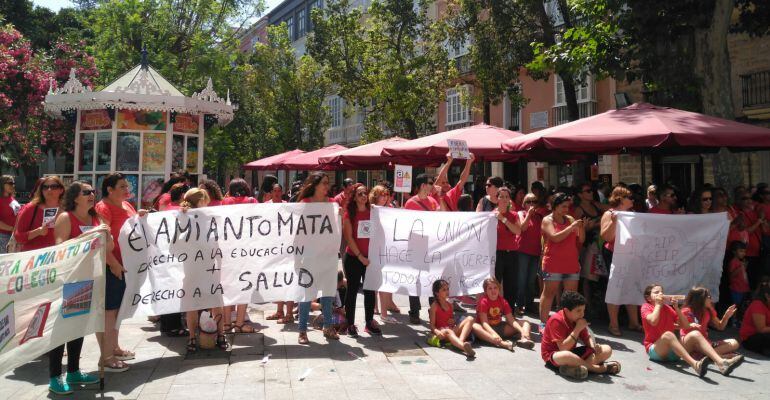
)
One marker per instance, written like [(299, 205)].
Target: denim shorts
[(551, 276), (670, 357)]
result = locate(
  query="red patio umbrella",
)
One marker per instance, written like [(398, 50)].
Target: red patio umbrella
[(271, 163), (642, 127), (309, 161), (483, 141), (367, 156)]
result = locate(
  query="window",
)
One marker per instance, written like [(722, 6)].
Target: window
[(301, 23), (514, 110), (290, 27), (584, 91), (458, 50), (335, 111), (457, 109)]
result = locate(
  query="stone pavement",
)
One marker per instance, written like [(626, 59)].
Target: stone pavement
[(398, 365)]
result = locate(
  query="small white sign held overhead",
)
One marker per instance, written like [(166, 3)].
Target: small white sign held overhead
[(458, 149), (403, 179)]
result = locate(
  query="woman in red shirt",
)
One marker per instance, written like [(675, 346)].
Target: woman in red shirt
[(238, 192), (508, 226), (114, 210), (562, 236), (33, 229), (528, 251), (213, 190), (380, 196), (621, 199), (355, 228), (700, 313), (9, 209), (755, 329)]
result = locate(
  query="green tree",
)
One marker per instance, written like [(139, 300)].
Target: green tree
[(499, 33), (390, 62), (41, 26)]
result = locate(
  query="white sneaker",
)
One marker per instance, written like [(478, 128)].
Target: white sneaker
[(388, 320)]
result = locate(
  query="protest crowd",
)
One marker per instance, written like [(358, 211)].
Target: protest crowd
[(553, 259)]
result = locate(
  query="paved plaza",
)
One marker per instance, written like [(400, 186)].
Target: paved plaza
[(399, 365)]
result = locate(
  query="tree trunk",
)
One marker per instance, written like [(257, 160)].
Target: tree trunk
[(411, 128), (487, 105), (712, 66), (570, 96)]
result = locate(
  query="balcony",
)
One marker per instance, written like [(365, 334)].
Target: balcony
[(463, 65), (755, 93), (559, 114)]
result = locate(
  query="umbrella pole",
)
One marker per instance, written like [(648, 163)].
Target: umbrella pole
[(644, 173)]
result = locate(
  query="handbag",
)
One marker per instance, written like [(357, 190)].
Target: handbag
[(15, 247)]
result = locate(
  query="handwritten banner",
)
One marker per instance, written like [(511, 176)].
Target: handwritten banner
[(49, 297), (409, 250), (227, 255), (677, 251)]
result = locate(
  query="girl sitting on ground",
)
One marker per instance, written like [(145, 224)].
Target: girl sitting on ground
[(559, 347), (700, 313), (442, 321), (489, 325), (659, 321)]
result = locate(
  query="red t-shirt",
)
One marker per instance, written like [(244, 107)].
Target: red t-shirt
[(9, 209), (115, 216), (444, 318), (238, 200), (665, 323), (494, 309), (529, 242), (362, 243), (26, 223), (656, 210), (702, 320), (429, 204), (739, 280), (748, 329), (561, 257), (78, 227), (750, 217), (341, 199), (271, 201), (450, 197), (214, 203), (556, 330), (310, 200), (506, 240)]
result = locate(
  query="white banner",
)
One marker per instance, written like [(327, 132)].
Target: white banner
[(227, 255), (409, 250), (676, 251), (50, 296)]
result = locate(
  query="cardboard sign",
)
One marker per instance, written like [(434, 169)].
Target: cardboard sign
[(403, 175), (458, 149), (49, 216)]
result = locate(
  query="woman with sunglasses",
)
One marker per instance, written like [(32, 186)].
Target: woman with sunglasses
[(9, 209), (621, 199), (78, 217), (380, 196), (529, 248), (30, 231), (489, 202), (700, 202), (753, 220)]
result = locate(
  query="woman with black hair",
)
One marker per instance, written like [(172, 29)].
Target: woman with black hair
[(164, 198), (265, 191), (489, 202), (213, 190), (755, 328), (9, 209), (700, 201)]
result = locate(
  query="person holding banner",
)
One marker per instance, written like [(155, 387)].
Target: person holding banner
[(9, 209), (528, 251), (316, 190), (114, 210), (660, 320), (213, 190), (421, 201), (448, 195), (380, 196), (78, 218), (489, 202), (33, 227), (508, 227), (562, 236), (356, 228), (621, 199), (238, 192)]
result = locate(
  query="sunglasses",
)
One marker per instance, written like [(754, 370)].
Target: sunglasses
[(705, 199), (587, 191), (87, 192), (361, 194), (385, 194), (11, 183), (51, 187), (489, 184)]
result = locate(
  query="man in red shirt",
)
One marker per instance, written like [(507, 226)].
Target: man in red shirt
[(666, 201), (446, 194), (421, 201), (347, 188), (560, 338)]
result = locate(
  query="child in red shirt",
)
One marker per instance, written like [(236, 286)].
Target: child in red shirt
[(489, 326), (560, 338), (736, 270), (442, 321), (660, 320), (701, 315)]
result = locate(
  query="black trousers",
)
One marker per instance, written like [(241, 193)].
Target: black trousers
[(355, 271), (758, 343), (170, 322), (56, 355), (506, 274)]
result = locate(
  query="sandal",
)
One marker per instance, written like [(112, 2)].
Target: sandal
[(615, 331), (192, 345), (124, 355), (394, 310), (302, 339), (580, 372), (245, 328), (114, 365), (222, 342), (331, 334), (227, 328), (275, 316), (612, 367), (525, 344)]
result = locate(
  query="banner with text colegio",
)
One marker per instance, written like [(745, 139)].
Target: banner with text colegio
[(409, 250), (676, 251), (225, 255), (51, 296)]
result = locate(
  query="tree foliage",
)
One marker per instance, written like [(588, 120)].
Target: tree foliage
[(392, 64)]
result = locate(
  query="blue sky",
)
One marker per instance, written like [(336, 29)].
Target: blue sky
[(57, 4)]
